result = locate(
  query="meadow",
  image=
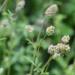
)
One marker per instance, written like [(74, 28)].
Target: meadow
[(37, 37)]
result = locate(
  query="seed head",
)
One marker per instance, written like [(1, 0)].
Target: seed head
[(51, 10)]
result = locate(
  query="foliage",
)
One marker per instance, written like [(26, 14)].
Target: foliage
[(24, 42)]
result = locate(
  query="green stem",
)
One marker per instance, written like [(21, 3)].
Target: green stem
[(46, 64), (34, 55), (3, 5), (9, 71)]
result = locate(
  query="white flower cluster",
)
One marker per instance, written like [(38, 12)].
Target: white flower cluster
[(51, 10), (50, 30), (60, 48), (20, 5), (65, 39), (52, 49)]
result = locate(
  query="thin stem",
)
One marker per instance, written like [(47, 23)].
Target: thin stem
[(9, 68), (31, 69), (3, 5), (3, 59), (44, 36), (34, 54), (3, 53), (46, 64), (46, 67), (32, 66), (8, 71), (39, 33), (35, 49), (41, 30)]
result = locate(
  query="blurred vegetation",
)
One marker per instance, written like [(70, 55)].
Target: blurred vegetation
[(24, 53)]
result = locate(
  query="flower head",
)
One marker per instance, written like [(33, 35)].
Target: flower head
[(65, 39), (57, 50), (63, 47), (50, 30), (52, 49)]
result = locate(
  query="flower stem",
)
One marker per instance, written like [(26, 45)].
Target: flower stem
[(34, 56), (9, 71), (46, 64), (3, 5)]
